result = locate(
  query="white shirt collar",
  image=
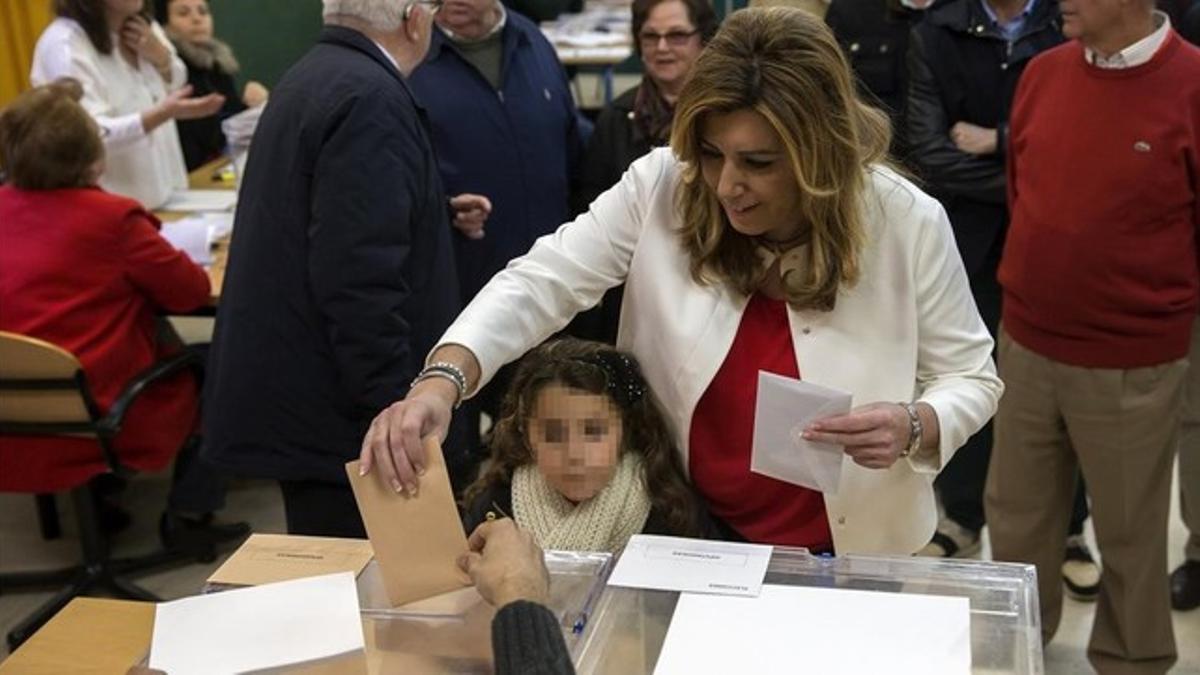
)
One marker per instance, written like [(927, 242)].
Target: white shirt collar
[(1137, 53), (388, 54)]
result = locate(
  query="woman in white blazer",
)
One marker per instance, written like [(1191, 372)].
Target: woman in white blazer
[(134, 85), (771, 198)]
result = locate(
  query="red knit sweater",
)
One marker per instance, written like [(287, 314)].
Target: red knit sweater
[(1099, 268)]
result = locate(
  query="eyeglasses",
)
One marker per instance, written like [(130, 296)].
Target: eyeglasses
[(675, 38)]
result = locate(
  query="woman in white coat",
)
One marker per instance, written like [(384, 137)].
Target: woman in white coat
[(134, 85), (769, 237)]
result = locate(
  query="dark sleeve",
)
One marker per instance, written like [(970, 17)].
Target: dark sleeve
[(369, 183), (1189, 28), (495, 499), (599, 169), (527, 640), (948, 170)]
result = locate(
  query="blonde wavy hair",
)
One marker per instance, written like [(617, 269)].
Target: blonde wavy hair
[(785, 64)]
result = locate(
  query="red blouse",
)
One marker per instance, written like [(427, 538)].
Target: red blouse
[(761, 509), (88, 271)]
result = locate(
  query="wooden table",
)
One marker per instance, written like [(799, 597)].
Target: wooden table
[(89, 635)]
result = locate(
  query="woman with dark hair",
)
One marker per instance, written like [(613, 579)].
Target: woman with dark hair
[(771, 236), (133, 85), (668, 36), (210, 69), (581, 455)]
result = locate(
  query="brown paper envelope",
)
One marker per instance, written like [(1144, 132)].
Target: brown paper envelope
[(267, 558), (417, 540)]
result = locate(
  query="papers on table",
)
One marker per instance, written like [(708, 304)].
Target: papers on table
[(258, 627), (784, 408), (268, 558), (195, 235), (789, 629), (201, 200), (677, 564), (417, 540)]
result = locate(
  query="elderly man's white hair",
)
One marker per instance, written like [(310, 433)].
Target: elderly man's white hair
[(383, 15)]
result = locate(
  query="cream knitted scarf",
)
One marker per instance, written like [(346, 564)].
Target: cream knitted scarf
[(603, 523)]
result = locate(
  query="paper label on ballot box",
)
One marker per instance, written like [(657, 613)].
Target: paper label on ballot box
[(678, 564)]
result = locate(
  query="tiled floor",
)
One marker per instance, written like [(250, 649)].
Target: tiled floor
[(259, 503)]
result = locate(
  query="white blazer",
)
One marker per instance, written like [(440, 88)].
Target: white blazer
[(908, 330), (141, 165)]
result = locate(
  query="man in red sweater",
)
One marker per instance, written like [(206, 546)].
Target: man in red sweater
[(1100, 285)]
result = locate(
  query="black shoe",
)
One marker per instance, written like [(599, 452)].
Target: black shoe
[(198, 537), (1080, 573), (1185, 586), (113, 519)]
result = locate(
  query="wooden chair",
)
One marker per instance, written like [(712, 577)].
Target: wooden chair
[(43, 392)]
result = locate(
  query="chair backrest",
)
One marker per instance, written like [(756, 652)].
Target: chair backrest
[(42, 384)]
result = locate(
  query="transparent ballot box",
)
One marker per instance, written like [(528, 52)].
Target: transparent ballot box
[(451, 633), (629, 625)]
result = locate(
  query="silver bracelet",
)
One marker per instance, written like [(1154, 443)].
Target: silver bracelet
[(915, 430), (447, 371)]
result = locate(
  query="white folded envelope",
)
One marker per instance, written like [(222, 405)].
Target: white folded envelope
[(783, 409)]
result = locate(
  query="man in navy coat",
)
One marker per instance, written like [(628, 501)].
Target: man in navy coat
[(341, 275), (505, 126)]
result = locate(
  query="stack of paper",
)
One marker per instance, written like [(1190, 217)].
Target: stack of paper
[(792, 629), (201, 200), (268, 558), (258, 627)]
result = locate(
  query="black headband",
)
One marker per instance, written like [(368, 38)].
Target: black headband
[(625, 383)]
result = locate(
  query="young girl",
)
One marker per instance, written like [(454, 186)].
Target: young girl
[(581, 456)]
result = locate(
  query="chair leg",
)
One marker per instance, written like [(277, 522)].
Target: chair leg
[(38, 579), (30, 624), (127, 589), (47, 510)]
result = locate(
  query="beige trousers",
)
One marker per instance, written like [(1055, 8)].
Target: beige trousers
[(1120, 427)]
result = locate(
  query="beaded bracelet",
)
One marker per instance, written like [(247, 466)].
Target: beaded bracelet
[(447, 371), (915, 430)]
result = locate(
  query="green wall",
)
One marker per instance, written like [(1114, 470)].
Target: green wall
[(267, 36)]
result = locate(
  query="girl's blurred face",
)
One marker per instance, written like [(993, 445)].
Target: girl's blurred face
[(190, 20), (576, 440)]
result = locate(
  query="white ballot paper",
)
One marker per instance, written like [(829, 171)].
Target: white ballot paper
[(201, 200), (678, 564), (790, 629), (192, 236), (784, 408), (258, 627)]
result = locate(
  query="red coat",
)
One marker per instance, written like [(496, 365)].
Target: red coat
[(88, 271)]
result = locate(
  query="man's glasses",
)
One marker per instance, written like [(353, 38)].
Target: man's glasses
[(675, 38)]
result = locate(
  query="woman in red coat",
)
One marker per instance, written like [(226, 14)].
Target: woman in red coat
[(88, 271)]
